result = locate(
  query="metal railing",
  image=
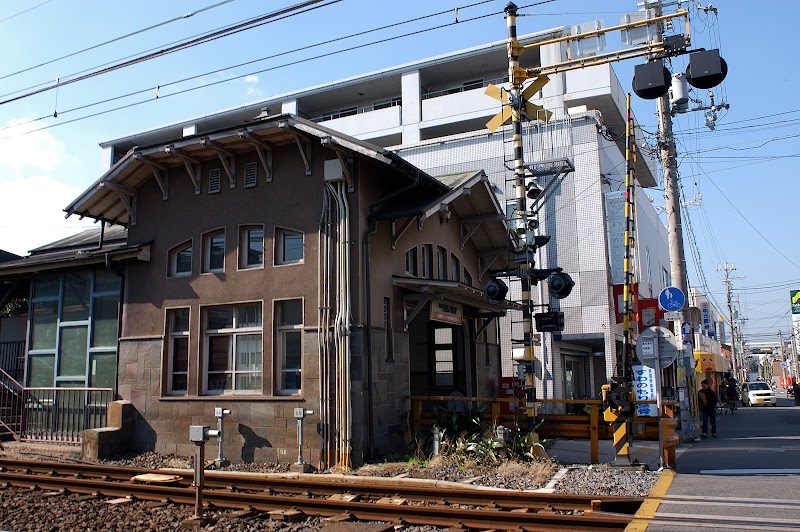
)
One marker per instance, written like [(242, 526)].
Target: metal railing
[(12, 358), (58, 415)]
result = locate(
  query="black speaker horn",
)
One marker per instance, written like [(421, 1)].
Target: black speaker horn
[(706, 69), (651, 80)]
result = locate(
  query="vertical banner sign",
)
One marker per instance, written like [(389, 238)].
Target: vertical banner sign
[(644, 389), (795, 297), (705, 309)]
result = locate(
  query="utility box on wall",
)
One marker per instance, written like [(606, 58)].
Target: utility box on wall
[(512, 388)]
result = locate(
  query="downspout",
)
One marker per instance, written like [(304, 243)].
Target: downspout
[(373, 228)]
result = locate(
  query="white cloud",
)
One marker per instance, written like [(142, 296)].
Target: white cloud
[(32, 199), (32, 213), (251, 78)]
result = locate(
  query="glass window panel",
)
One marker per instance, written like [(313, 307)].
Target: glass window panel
[(411, 261), (104, 322), (180, 354), (248, 381), (255, 247), (291, 350), (216, 252), (179, 382), (44, 325), (248, 352), (72, 359), (290, 380), (46, 286), (443, 336), (76, 297), (103, 370), (292, 247), (219, 318), (219, 382), (443, 355), (183, 260), (218, 350), (106, 281), (291, 312), (180, 320), (41, 371), (249, 316)]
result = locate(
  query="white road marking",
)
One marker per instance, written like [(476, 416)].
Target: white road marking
[(749, 471)]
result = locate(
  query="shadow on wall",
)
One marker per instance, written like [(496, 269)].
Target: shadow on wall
[(252, 441)]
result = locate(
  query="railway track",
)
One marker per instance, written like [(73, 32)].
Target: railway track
[(360, 498)]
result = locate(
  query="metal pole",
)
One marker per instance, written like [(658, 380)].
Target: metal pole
[(677, 258), (199, 462), (300, 441), (659, 399), (734, 359)]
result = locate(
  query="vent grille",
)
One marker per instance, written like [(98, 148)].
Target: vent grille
[(250, 174), (214, 181)]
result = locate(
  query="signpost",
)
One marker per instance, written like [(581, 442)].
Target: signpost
[(657, 348), (671, 299)]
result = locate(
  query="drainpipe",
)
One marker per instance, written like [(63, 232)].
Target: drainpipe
[(373, 228)]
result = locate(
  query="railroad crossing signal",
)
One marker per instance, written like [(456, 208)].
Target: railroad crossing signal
[(505, 97)]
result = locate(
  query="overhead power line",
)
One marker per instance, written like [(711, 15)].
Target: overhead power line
[(25, 11), (241, 76), (236, 28), (116, 39)]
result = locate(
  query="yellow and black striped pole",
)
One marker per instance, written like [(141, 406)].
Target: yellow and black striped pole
[(618, 399), (521, 214)]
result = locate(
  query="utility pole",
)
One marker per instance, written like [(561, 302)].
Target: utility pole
[(728, 268), (677, 258)]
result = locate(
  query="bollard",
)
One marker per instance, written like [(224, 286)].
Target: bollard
[(301, 466), (436, 436), (219, 413), (199, 434)]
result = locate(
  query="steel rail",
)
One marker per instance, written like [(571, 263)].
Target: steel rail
[(439, 515), (410, 489)]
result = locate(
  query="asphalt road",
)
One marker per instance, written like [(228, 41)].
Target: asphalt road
[(746, 479)]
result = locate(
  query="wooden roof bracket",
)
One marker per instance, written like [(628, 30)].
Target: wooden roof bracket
[(303, 144), (396, 234), (467, 234), (226, 158), (422, 301), (126, 195), (160, 173), (487, 258), (192, 166), (263, 150)]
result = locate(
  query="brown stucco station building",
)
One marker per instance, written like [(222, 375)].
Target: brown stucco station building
[(288, 266)]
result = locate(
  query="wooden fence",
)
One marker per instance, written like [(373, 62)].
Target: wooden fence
[(586, 423)]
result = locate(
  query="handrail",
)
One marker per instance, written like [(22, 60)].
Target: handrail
[(51, 414)]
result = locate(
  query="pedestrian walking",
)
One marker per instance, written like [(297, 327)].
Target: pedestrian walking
[(707, 398)]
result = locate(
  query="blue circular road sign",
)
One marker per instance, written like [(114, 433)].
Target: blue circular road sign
[(671, 299)]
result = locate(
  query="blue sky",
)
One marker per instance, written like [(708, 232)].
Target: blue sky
[(745, 170)]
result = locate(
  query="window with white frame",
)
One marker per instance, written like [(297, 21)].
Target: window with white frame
[(444, 354), (441, 263), (289, 345), (411, 261), (233, 354), (427, 261), (288, 247), (455, 268), (178, 351), (214, 252), (251, 247), (180, 260)]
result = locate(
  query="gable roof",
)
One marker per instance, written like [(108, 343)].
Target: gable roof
[(109, 198), (90, 247)]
